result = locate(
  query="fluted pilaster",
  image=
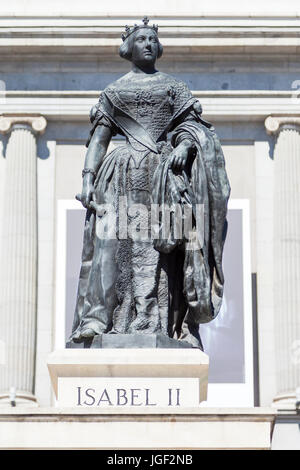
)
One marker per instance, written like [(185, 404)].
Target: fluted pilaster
[(286, 251), (18, 269)]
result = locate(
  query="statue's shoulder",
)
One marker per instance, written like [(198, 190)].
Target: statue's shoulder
[(132, 79), (180, 85), (120, 83)]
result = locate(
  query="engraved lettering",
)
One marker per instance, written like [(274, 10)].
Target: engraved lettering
[(90, 396), (134, 395), (104, 398), (121, 394), (78, 396), (147, 398)]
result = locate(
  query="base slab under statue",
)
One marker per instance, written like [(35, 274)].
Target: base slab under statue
[(105, 341), (111, 378)]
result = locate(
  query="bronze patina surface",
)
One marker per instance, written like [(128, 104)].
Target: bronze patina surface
[(171, 157)]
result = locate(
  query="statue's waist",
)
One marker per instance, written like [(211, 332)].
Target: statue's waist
[(132, 144)]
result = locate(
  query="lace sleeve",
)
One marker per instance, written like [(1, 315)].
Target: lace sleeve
[(98, 118)]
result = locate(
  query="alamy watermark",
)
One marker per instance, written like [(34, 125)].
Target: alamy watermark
[(139, 222)]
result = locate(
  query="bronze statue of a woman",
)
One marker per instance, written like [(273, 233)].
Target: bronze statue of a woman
[(170, 156)]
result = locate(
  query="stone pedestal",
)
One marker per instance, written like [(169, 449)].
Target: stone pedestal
[(107, 378), (145, 398)]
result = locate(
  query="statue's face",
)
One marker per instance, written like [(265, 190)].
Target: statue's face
[(145, 47)]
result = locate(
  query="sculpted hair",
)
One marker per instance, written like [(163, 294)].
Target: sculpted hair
[(125, 49)]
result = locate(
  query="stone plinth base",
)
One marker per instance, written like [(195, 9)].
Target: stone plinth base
[(184, 428), (135, 341), (129, 377)]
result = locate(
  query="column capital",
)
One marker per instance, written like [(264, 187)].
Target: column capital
[(37, 122), (274, 123)]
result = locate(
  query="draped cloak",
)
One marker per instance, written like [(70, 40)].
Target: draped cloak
[(161, 284)]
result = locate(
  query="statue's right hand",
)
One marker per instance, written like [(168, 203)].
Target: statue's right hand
[(87, 194)]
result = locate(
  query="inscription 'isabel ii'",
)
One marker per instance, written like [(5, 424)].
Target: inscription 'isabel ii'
[(124, 397)]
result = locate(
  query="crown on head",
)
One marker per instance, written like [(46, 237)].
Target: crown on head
[(135, 27)]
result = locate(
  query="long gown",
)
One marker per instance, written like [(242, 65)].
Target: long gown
[(135, 285)]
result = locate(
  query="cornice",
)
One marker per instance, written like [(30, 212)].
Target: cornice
[(286, 94), (220, 105), (92, 35)]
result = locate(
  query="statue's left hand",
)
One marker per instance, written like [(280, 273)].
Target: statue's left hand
[(178, 158)]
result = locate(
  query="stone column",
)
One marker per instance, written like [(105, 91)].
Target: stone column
[(286, 255), (18, 254)]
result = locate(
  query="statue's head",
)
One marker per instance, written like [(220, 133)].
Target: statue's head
[(141, 43)]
